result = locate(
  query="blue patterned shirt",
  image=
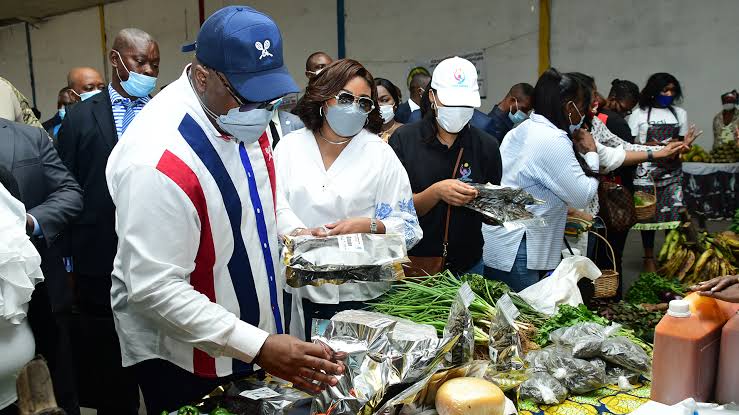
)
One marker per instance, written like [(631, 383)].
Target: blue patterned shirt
[(119, 104)]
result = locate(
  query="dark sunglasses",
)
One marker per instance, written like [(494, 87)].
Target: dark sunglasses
[(365, 104), (245, 105)]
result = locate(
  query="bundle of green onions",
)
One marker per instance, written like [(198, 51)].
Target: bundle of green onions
[(427, 300)]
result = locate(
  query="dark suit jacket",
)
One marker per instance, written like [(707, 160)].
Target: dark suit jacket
[(49, 192), (85, 141), (404, 115)]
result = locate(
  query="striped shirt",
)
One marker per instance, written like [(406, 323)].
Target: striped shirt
[(119, 104), (538, 157), (194, 278)]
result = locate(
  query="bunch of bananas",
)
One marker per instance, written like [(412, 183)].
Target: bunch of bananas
[(696, 154), (712, 256)]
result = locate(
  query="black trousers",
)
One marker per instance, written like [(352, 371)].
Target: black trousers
[(167, 387), (104, 384), (51, 333), (313, 310)]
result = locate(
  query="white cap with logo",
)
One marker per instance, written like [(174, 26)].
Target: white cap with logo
[(455, 82)]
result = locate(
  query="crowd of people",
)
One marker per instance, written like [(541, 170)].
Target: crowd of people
[(157, 219)]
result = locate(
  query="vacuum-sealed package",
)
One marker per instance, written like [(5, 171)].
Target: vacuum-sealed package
[(504, 346), (459, 323), (577, 375), (501, 204), (543, 388), (625, 353), (311, 260), (585, 339)]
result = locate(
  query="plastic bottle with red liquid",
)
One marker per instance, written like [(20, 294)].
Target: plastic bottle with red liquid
[(686, 350)]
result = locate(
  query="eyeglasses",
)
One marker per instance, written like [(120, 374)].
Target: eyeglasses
[(347, 98), (245, 105)]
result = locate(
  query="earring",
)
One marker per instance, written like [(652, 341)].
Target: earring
[(320, 110)]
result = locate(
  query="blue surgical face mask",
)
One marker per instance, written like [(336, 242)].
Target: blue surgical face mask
[(577, 126), (664, 100), (85, 95), (245, 126), (519, 116), (137, 85), (62, 112), (346, 120)]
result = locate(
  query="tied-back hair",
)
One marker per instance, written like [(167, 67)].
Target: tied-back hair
[(327, 85), (391, 88), (655, 84), (552, 92), (622, 89)]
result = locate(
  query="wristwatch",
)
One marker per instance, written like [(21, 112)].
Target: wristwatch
[(373, 225), (650, 155)]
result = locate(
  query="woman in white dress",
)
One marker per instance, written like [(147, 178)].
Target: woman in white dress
[(338, 174), (19, 272)]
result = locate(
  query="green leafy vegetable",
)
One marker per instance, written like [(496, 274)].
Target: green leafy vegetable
[(650, 287)]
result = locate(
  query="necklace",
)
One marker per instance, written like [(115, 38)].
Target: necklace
[(339, 143)]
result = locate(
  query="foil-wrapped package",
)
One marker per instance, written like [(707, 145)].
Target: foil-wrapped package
[(343, 258), (256, 396), (382, 354), (501, 204)]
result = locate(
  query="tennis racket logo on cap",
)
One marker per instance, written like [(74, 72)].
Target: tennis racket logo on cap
[(264, 49)]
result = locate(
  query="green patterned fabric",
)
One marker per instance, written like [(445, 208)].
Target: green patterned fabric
[(604, 401)]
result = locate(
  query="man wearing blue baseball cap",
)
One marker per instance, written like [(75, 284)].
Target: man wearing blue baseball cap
[(196, 295)]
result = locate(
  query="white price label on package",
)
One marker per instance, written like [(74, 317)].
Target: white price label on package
[(351, 243), (261, 393)]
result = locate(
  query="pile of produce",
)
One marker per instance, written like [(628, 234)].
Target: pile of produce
[(711, 256), (642, 319), (568, 316), (427, 300), (583, 357), (650, 288), (725, 153), (696, 154)]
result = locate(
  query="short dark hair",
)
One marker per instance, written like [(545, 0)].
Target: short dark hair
[(522, 90), (623, 90), (391, 88), (313, 56), (655, 84), (329, 83), (419, 80)]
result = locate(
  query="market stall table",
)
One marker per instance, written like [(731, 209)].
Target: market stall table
[(711, 188)]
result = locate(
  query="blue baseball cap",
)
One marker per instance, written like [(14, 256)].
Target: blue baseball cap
[(246, 46)]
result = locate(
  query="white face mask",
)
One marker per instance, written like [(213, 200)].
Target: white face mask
[(387, 112), (453, 119), (729, 106)]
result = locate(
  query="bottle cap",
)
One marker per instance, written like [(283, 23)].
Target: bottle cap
[(679, 308)]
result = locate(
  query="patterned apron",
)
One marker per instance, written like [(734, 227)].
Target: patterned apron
[(667, 175)]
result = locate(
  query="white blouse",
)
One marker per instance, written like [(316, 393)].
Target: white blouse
[(366, 180)]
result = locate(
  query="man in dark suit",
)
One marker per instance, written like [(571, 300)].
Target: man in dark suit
[(53, 199), (410, 111), (511, 110), (88, 134), (66, 98)]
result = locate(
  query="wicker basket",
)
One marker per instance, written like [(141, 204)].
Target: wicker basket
[(607, 285), (649, 209)]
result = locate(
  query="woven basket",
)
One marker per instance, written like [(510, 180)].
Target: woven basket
[(649, 209), (606, 286)]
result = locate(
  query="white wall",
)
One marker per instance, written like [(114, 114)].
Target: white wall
[(627, 39), (693, 40)]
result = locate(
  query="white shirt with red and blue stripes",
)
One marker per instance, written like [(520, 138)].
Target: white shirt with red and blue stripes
[(194, 279)]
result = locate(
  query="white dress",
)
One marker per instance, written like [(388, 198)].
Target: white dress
[(19, 272), (366, 180)]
